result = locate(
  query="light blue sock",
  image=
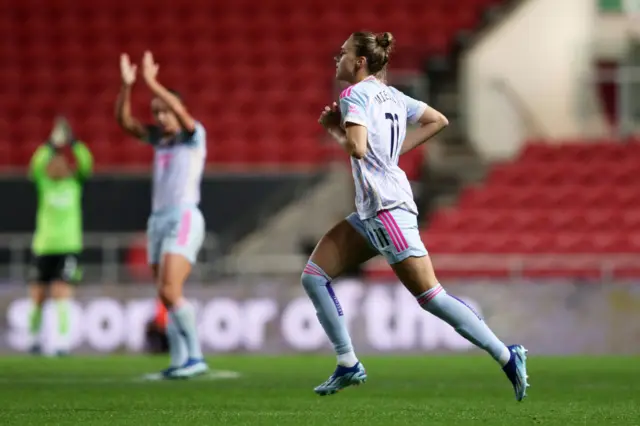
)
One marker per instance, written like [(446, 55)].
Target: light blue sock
[(184, 319), (464, 320), (177, 346), (317, 284)]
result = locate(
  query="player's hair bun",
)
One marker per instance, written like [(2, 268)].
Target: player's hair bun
[(385, 40), (375, 47)]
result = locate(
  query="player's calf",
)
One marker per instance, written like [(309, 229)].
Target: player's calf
[(317, 285), (175, 269)]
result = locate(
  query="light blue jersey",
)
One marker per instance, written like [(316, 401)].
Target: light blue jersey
[(176, 225), (380, 183), (178, 165), (386, 212)]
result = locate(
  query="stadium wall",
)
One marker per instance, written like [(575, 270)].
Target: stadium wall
[(123, 203), (525, 77), (275, 316)]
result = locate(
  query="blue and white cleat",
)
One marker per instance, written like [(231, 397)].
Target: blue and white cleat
[(516, 370), (341, 378), (191, 368)]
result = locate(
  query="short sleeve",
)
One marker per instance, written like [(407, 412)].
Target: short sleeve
[(415, 108), (353, 107), (154, 134), (196, 139)]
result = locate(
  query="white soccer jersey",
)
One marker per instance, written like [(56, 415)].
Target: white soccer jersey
[(178, 166), (384, 111)]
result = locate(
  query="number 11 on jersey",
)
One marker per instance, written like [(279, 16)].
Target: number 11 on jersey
[(395, 132)]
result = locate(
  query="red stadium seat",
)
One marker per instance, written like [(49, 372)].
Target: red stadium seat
[(566, 200), (226, 58)]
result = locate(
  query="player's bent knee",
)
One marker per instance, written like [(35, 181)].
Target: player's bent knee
[(311, 274), (169, 295), (416, 273), (341, 248), (174, 271)]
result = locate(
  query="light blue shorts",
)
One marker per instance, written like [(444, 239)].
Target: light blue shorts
[(392, 233), (177, 230)]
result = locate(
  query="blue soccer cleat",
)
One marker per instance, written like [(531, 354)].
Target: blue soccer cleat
[(516, 370), (342, 378), (192, 368)]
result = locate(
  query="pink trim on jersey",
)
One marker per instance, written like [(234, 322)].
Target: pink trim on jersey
[(393, 230), (346, 92), (185, 227)]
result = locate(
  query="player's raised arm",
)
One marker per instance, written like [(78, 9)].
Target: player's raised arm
[(431, 123), (150, 73), (39, 161), (84, 160), (123, 105)]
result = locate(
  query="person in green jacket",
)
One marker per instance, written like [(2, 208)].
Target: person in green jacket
[(57, 241)]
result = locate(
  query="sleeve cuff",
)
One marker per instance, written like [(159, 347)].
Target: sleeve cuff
[(421, 109), (353, 120)]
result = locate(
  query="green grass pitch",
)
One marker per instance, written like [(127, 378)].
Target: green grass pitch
[(427, 390)]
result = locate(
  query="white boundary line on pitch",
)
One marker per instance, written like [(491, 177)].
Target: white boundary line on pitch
[(210, 376)]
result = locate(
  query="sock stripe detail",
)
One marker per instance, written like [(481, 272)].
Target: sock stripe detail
[(469, 307), (309, 269), (336, 302), (427, 296), (176, 323), (313, 269)]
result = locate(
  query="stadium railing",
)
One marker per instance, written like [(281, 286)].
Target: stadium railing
[(112, 258)]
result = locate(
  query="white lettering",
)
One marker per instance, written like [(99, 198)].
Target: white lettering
[(257, 313), (380, 317), (138, 313), (412, 322), (300, 326), (378, 308), (451, 339), (18, 336), (222, 324), (104, 324)]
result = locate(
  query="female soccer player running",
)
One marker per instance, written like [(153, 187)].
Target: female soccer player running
[(175, 230), (370, 124), (57, 241)]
